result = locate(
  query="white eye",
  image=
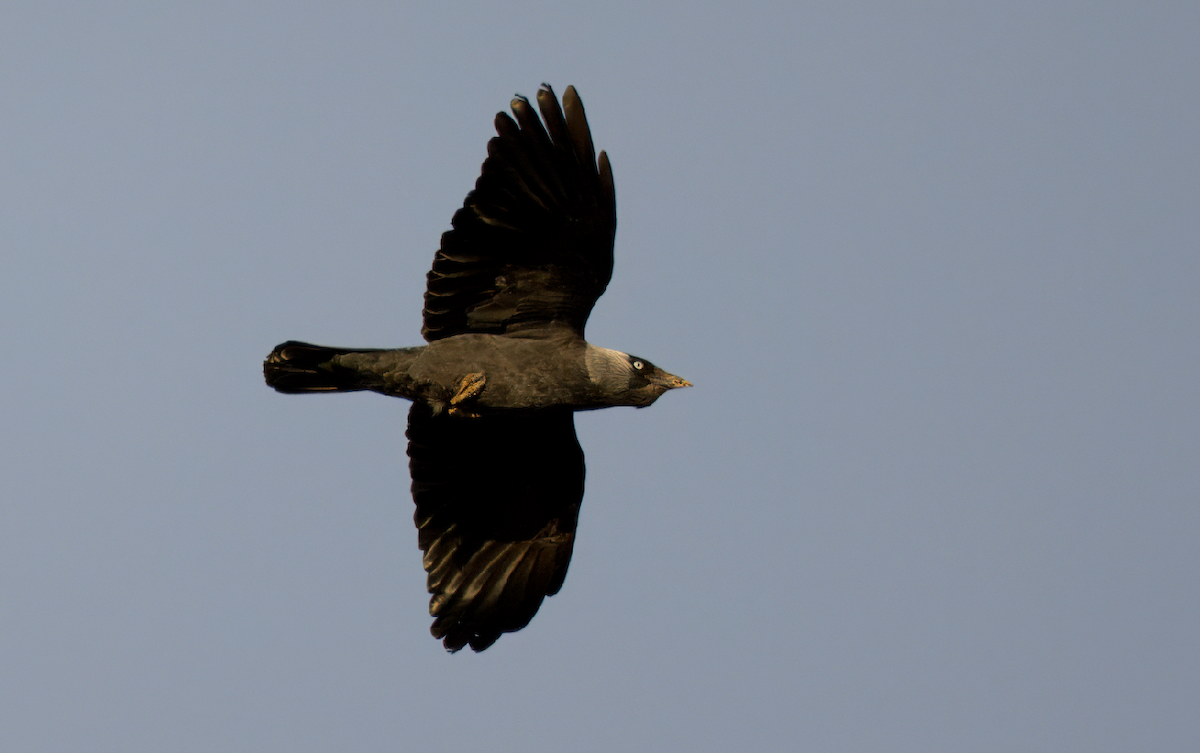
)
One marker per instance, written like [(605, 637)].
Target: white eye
[(638, 365)]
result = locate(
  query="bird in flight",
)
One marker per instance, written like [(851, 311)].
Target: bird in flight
[(497, 471)]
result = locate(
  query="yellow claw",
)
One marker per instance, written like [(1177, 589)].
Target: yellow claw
[(470, 386)]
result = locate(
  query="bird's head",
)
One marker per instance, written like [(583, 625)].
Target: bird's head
[(626, 379)]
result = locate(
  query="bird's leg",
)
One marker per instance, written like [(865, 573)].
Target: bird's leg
[(470, 386)]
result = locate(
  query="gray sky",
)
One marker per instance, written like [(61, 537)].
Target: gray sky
[(933, 269)]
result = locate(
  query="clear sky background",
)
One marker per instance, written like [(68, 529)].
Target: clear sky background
[(934, 268)]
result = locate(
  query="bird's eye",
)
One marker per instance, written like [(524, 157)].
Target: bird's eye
[(638, 365)]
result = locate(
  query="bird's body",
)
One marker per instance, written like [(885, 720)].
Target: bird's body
[(552, 368), (497, 470)]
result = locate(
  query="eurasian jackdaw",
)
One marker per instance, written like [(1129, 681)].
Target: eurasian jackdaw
[(497, 472)]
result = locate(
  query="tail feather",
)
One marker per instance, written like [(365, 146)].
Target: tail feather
[(296, 367)]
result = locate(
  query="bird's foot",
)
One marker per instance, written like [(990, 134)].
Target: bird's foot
[(470, 386)]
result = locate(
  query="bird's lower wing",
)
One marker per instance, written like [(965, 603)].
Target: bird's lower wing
[(497, 504)]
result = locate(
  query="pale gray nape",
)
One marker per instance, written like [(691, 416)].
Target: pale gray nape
[(608, 369)]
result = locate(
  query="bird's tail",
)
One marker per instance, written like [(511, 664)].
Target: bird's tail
[(296, 367)]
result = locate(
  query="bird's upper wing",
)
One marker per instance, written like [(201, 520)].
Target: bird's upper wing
[(497, 503), (533, 243)]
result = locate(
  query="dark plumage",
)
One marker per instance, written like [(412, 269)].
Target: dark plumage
[(497, 470)]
